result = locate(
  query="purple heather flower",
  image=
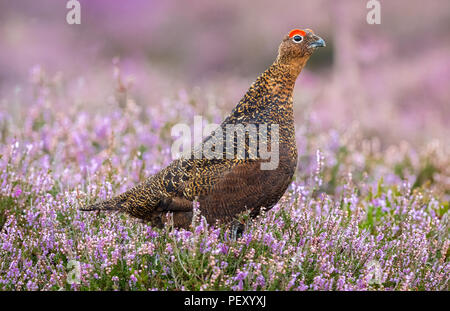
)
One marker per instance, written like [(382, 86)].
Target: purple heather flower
[(17, 191)]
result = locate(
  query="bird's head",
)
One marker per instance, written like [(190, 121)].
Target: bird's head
[(298, 46)]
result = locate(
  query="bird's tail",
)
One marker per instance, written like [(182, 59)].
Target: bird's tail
[(121, 202), (108, 205)]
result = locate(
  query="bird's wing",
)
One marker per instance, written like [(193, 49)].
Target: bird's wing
[(224, 185), (225, 189), (194, 178)]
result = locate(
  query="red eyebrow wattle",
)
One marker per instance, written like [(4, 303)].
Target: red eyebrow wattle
[(297, 32)]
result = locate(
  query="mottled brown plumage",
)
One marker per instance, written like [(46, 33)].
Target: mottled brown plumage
[(225, 187)]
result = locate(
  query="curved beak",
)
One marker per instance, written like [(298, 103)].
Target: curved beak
[(318, 43)]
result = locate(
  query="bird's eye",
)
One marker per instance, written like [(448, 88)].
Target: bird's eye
[(297, 38)]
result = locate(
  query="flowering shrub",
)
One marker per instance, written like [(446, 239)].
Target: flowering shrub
[(357, 216)]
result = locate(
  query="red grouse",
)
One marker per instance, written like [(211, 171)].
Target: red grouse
[(225, 186)]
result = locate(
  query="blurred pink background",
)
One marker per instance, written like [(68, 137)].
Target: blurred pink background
[(392, 79)]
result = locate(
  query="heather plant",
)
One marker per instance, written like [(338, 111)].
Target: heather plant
[(359, 215)]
